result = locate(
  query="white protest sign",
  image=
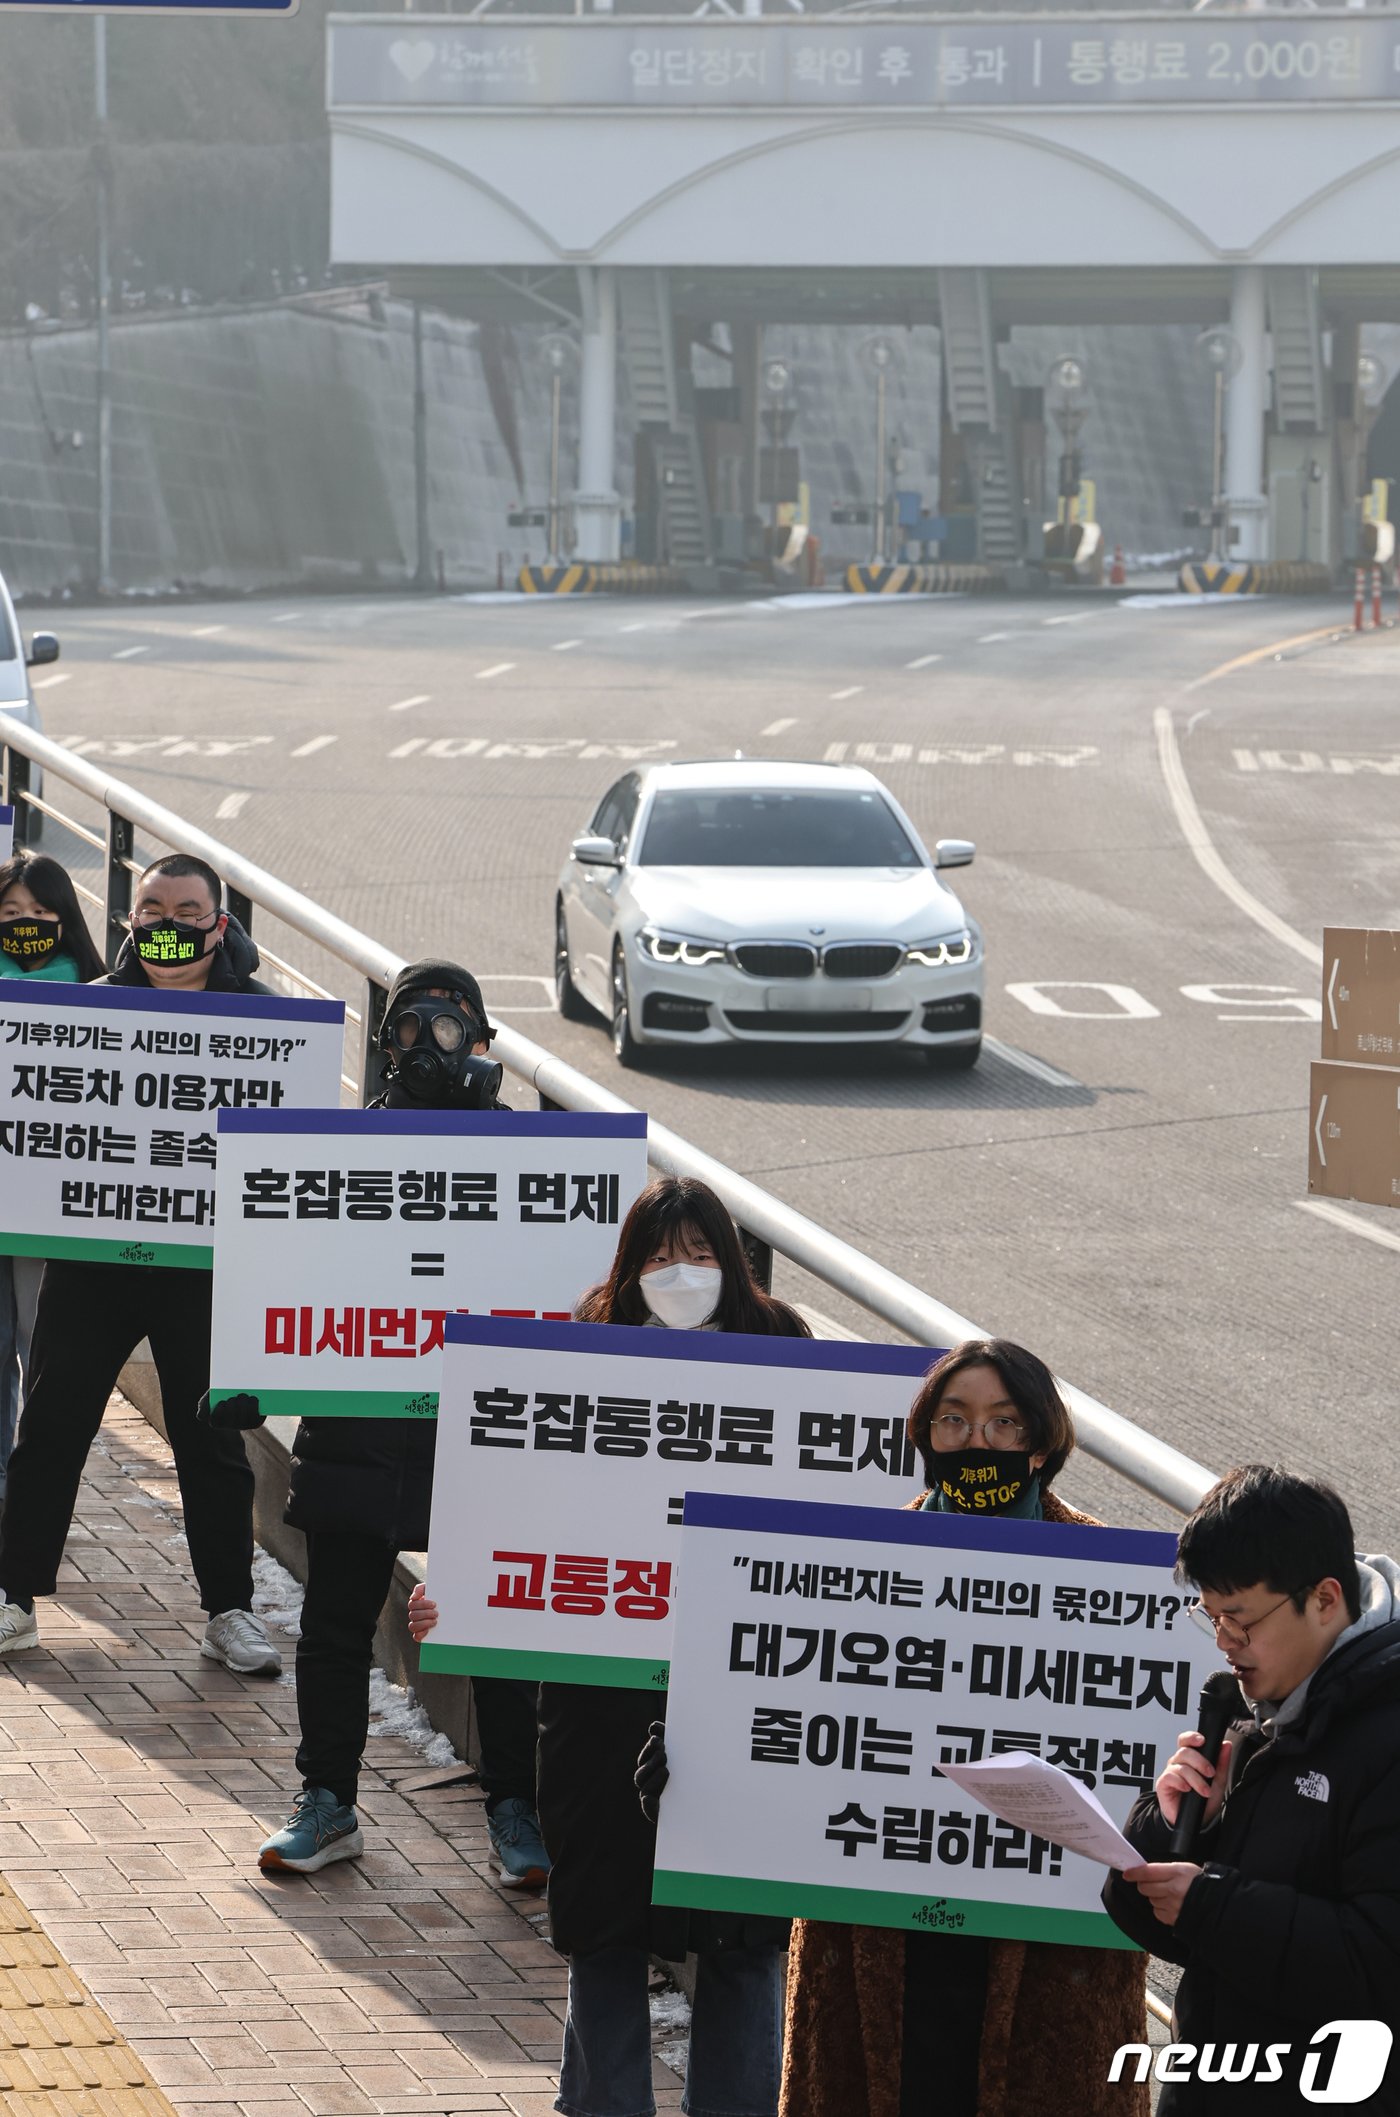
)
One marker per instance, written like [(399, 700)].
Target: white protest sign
[(347, 1238), (109, 1100), (7, 830), (806, 1726), (564, 1453)]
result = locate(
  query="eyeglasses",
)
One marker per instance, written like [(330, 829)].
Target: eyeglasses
[(949, 1431), (1224, 1630)]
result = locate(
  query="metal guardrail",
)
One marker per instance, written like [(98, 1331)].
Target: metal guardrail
[(1122, 1447)]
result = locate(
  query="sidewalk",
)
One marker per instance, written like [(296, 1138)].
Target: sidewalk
[(136, 1783)]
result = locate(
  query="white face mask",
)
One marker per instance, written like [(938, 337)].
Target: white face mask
[(683, 1296)]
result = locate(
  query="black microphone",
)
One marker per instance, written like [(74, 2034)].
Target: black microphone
[(1221, 1702)]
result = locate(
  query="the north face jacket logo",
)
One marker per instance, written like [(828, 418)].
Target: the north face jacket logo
[(1313, 1786)]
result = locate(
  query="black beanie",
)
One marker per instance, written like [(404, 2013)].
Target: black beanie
[(445, 977)]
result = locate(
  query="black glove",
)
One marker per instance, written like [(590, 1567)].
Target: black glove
[(653, 1771), (234, 1415)]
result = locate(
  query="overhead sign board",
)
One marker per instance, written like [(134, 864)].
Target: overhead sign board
[(836, 63), (1361, 995), (1354, 1133)]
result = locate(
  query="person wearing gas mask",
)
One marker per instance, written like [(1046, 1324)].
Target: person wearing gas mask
[(886, 2024), (91, 1317), (361, 1491)]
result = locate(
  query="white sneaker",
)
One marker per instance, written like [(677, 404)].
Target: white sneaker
[(18, 1628), (238, 1639)]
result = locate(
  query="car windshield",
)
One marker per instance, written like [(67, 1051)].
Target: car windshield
[(774, 827)]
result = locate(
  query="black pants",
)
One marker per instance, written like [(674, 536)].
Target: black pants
[(945, 1998), (91, 1319), (347, 1584)]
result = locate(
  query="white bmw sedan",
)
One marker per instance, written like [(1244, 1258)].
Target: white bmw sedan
[(766, 903)]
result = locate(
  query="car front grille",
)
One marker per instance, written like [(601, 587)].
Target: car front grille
[(830, 1021), (861, 959), (776, 959)]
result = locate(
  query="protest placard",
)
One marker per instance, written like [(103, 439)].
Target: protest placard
[(109, 1101), (7, 830), (347, 1239), (564, 1453), (808, 1716)]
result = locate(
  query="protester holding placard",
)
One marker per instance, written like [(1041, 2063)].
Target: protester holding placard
[(679, 1265), (42, 935), (91, 1317), (361, 1492), (881, 2023)]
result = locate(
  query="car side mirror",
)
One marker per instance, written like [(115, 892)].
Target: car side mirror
[(42, 648), (596, 852), (954, 852)]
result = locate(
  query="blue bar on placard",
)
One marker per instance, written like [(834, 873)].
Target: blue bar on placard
[(105, 999), (954, 1532), (413, 1124), (734, 1348)]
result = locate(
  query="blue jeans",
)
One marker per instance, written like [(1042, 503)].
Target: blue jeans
[(736, 2035)]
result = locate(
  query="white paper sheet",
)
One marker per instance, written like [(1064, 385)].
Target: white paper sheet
[(1025, 1790)]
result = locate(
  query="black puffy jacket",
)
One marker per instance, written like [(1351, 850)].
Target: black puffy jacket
[(1295, 1920), (365, 1477)]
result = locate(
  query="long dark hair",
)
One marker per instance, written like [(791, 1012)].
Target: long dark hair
[(1030, 1386), (668, 1207), (52, 885)]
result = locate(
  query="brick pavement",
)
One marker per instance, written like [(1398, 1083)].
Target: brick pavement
[(136, 1783)]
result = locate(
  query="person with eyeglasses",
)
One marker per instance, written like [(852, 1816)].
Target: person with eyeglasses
[(888, 2024), (1287, 1919), (91, 1317)]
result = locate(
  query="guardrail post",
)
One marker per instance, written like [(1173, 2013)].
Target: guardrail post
[(241, 907), (376, 998), (760, 1256), (116, 909), (16, 785)]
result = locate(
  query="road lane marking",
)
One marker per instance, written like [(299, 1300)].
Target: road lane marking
[(124, 654), (777, 727), (850, 691), (317, 742), (563, 646), (989, 639), (46, 683), (923, 661), (1036, 1068), (640, 626), (1264, 654), (229, 807), (1199, 840), (1323, 1209), (206, 632), (496, 669), (406, 749), (1078, 618), (1128, 1005), (288, 617), (420, 698)]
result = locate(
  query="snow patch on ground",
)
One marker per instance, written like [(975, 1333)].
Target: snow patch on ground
[(670, 2028)]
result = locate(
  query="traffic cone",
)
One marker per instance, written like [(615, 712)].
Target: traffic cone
[(1118, 572)]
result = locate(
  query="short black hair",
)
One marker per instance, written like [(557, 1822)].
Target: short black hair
[(1261, 1524), (1029, 1384), (178, 864)]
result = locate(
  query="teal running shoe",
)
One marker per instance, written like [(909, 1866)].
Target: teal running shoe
[(318, 1831), (514, 1831)]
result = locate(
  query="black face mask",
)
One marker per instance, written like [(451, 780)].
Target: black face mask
[(431, 1062), (981, 1480), (30, 942), (169, 943)]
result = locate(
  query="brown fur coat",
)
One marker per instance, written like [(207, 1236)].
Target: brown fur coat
[(1054, 2017)]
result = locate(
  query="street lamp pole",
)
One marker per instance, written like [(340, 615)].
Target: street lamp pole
[(880, 356), (103, 394), (556, 362)]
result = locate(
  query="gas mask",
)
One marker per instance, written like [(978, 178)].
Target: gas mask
[(429, 1048)]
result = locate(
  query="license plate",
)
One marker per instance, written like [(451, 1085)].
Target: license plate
[(819, 996)]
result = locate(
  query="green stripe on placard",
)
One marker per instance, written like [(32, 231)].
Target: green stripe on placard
[(332, 1403), (611, 1672), (878, 1907), (100, 1249)]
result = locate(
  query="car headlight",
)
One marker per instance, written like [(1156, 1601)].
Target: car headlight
[(952, 948), (682, 949)]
